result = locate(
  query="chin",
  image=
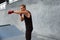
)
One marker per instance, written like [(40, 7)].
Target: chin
[(23, 10)]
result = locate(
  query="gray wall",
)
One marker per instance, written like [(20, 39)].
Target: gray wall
[(45, 17)]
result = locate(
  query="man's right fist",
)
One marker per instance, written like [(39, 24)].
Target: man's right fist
[(20, 14), (10, 11)]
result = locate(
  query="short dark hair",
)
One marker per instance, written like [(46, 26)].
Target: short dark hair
[(23, 5)]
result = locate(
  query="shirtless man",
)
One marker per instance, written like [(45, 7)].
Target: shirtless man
[(26, 16)]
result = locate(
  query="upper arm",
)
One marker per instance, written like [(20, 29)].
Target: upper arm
[(29, 13)]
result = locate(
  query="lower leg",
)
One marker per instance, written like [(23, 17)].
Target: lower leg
[(28, 35)]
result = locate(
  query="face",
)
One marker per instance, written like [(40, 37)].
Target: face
[(22, 8)]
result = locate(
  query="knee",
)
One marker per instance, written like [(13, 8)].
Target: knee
[(31, 29)]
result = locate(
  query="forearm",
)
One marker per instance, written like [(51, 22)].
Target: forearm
[(22, 18), (16, 12), (20, 12)]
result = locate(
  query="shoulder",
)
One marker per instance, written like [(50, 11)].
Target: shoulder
[(28, 11)]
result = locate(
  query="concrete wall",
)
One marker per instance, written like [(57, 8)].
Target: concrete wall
[(45, 16)]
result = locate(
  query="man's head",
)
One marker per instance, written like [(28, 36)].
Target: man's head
[(22, 7)]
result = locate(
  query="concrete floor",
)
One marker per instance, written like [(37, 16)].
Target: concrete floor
[(10, 32)]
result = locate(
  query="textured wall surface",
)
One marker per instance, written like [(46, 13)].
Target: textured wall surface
[(45, 17)]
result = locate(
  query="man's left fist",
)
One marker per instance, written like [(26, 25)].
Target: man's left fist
[(10, 11)]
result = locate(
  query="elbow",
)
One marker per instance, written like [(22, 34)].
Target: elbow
[(28, 16)]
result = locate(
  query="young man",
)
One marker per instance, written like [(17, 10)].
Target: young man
[(26, 16)]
